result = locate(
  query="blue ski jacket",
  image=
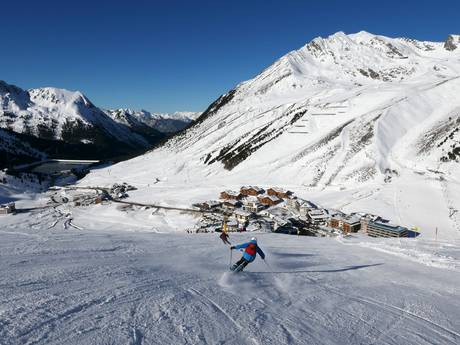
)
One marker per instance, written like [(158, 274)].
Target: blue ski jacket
[(250, 252)]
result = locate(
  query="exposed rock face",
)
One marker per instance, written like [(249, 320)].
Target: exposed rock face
[(452, 42)]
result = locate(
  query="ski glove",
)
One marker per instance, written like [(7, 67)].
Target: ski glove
[(232, 247)]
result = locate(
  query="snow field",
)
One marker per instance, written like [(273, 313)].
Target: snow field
[(100, 287)]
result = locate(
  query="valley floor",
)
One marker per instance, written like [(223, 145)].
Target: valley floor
[(95, 286)]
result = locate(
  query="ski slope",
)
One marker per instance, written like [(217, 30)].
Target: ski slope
[(94, 286)]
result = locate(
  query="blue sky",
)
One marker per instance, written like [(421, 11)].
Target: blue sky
[(181, 55)]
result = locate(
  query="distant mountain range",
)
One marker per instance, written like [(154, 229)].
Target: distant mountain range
[(165, 123), (61, 123)]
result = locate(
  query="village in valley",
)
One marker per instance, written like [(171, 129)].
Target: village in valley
[(251, 208), (278, 210)]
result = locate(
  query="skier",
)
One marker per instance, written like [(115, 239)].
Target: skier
[(250, 250), (224, 237)]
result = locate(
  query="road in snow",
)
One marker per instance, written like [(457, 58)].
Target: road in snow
[(116, 287)]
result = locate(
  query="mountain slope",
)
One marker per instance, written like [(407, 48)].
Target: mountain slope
[(13, 150), (66, 124), (343, 112), (315, 92)]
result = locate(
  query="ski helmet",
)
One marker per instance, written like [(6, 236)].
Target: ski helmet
[(253, 239)]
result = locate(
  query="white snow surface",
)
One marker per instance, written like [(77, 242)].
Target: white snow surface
[(355, 122), (120, 284)]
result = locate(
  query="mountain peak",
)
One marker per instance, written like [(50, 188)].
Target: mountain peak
[(52, 95), (363, 33), (338, 34)]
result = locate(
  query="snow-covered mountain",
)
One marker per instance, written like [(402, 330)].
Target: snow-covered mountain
[(163, 122), (335, 110), (66, 118), (339, 109), (342, 112), (58, 114)]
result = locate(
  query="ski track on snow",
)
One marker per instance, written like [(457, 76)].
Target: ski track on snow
[(139, 288)]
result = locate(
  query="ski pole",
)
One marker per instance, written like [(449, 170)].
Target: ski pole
[(266, 263), (230, 264)]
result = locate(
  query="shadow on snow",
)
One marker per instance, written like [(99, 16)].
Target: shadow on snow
[(348, 268)]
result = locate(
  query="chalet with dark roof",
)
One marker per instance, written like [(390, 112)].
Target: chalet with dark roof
[(251, 190), (279, 192), (230, 195), (269, 200)]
